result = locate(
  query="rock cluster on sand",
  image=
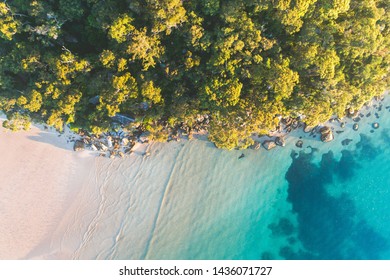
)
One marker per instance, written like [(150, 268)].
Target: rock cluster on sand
[(326, 134), (351, 113), (110, 144), (79, 146), (269, 144), (120, 141), (280, 141), (256, 145)]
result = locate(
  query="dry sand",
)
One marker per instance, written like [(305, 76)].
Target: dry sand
[(39, 178), (58, 204)]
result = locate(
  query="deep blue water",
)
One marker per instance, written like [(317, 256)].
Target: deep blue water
[(331, 227)]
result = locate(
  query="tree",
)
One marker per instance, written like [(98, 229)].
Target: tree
[(223, 92), (151, 93), (8, 25), (167, 14), (245, 63), (121, 28), (146, 48)]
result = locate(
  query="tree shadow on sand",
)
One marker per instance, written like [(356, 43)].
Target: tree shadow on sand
[(52, 139)]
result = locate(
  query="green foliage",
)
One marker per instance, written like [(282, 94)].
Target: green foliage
[(71, 9), (121, 28), (223, 92), (107, 58), (17, 121), (226, 134), (167, 14), (145, 48), (35, 102), (168, 61), (8, 25), (151, 93)]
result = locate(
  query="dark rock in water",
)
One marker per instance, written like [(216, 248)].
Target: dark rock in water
[(357, 119), (299, 144), (377, 115), (300, 137), (380, 108), (255, 146), (355, 127), (241, 156), (79, 146), (361, 115), (268, 144), (327, 137), (346, 142), (325, 130), (372, 131), (342, 125), (339, 131), (368, 115), (280, 141), (326, 134), (387, 107), (375, 125)]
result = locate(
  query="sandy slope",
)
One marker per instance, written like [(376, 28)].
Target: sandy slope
[(58, 204), (38, 175)]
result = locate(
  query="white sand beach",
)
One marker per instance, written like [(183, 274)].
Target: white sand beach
[(39, 177)]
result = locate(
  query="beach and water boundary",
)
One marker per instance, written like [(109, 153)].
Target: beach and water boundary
[(189, 200)]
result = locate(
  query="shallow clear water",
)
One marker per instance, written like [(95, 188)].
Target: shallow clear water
[(325, 201), (189, 200)]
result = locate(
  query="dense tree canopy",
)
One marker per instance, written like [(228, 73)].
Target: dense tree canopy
[(243, 62)]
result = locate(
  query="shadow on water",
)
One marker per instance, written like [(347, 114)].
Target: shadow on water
[(328, 227), (385, 135)]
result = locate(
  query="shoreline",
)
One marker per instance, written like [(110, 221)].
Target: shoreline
[(288, 127), (87, 207), (336, 124), (121, 143)]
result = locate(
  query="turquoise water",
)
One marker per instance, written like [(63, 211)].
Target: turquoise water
[(343, 223), (324, 201), (189, 200)]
